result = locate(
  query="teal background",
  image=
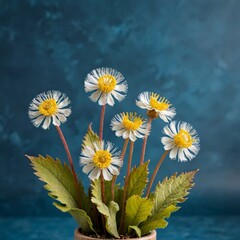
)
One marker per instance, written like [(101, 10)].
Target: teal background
[(188, 51)]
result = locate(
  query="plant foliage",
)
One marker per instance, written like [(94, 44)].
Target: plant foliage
[(60, 184)]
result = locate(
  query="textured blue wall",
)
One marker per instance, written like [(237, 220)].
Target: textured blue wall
[(186, 50)]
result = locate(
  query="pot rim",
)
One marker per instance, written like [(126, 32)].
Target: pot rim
[(78, 233)]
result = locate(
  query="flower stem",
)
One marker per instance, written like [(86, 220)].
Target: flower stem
[(102, 122), (145, 140), (102, 188), (103, 199), (155, 172), (122, 158), (65, 145), (126, 185)]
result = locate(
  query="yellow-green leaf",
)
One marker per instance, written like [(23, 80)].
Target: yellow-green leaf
[(79, 215), (138, 180), (136, 229), (157, 220), (108, 192), (60, 184), (90, 137), (166, 196), (109, 212), (173, 190), (137, 210)]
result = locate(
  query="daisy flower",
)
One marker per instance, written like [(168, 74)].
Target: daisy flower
[(156, 106), (129, 125), (106, 84), (182, 140), (47, 107), (100, 157)]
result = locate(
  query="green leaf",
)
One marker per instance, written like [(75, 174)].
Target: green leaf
[(109, 211), (108, 192), (167, 195), (60, 184), (85, 199), (157, 220), (138, 180), (136, 229), (119, 199), (137, 210), (79, 215), (173, 190), (90, 137)]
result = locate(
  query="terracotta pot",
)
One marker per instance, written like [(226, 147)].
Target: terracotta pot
[(79, 236)]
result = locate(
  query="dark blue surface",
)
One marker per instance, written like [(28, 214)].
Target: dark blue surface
[(180, 228), (188, 51)]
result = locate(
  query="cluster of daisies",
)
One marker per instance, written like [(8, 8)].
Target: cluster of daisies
[(106, 86)]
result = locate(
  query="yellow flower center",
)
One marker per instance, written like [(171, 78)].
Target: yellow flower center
[(131, 121), (48, 107), (107, 83), (183, 139), (159, 104), (102, 158)]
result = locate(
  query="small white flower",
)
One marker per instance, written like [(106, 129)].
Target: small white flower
[(106, 83), (129, 125), (156, 106), (182, 140), (47, 107), (100, 157)]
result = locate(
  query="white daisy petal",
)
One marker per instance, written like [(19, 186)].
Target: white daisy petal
[(168, 131), (61, 118), (182, 141), (107, 83), (137, 134), (113, 170), (117, 162), (49, 105), (89, 87), (64, 103), (156, 106), (166, 140), (100, 157), (38, 121), (125, 134), (94, 174), (118, 96), (88, 168), (56, 122), (129, 125), (169, 146), (173, 153), (34, 114), (172, 126), (110, 100), (106, 175), (181, 155), (46, 123), (103, 99), (85, 160), (188, 154), (95, 96), (132, 137), (64, 111)]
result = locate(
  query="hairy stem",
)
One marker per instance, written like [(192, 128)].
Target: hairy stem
[(122, 158), (126, 185), (156, 171), (65, 145), (145, 140)]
